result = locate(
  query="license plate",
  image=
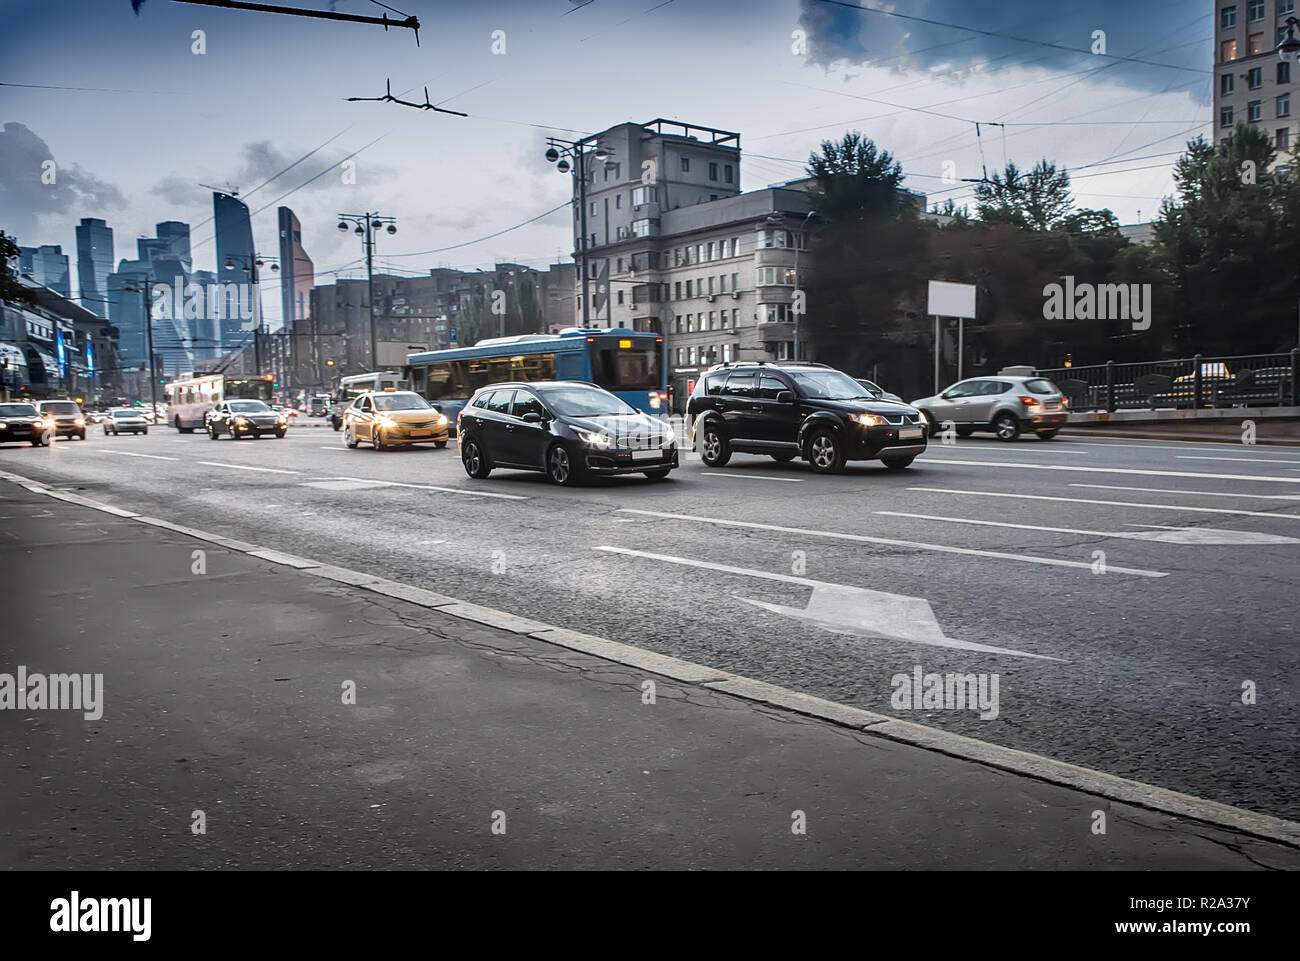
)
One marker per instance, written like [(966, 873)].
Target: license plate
[(422, 433), (640, 455), (910, 433)]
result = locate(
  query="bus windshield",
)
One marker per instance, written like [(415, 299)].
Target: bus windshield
[(626, 368)]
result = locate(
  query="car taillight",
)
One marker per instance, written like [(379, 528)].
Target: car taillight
[(1028, 400)]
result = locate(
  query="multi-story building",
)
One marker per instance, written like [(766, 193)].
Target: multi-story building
[(1252, 85), (233, 227), (94, 263), (55, 348), (47, 266)]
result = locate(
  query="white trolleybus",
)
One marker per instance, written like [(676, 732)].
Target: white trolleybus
[(190, 398)]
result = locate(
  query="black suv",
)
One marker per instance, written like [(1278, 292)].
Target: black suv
[(789, 410)]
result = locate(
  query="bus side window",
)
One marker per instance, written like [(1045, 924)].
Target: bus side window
[(568, 366)]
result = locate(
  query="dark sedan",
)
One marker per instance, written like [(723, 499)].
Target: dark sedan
[(22, 422), (571, 431), (245, 418)]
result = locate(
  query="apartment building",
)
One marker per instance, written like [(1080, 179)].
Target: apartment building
[(1252, 84)]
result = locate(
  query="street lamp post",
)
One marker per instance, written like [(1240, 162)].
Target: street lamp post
[(366, 224), (572, 154), (777, 219), (250, 267)]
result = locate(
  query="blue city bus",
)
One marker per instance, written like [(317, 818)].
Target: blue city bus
[(625, 362)]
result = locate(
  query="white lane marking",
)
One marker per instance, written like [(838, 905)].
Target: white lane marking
[(842, 608), (129, 453), (1168, 535), (264, 470), (1050, 449), (783, 480), (1084, 500), (893, 542), (1128, 470), (334, 448), (428, 487), (1174, 490), (1241, 460), (1224, 445)]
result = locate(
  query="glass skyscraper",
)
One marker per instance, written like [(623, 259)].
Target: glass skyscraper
[(47, 265), (234, 231), (94, 264)]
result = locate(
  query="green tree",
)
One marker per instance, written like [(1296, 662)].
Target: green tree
[(1039, 199), (10, 287)]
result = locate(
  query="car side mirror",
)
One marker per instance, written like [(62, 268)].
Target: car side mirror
[(532, 417), (785, 397)]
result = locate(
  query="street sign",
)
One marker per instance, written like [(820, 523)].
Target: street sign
[(951, 300)]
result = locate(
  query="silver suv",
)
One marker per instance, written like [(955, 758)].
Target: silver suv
[(1002, 404)]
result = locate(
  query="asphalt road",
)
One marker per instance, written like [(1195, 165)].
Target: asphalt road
[(1124, 592)]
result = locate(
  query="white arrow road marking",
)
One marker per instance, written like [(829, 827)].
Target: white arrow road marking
[(893, 542), (1082, 500), (128, 453), (844, 609), (1171, 490), (1127, 470), (1186, 535)]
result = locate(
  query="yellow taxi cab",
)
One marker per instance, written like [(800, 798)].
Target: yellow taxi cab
[(394, 418), (1214, 377)]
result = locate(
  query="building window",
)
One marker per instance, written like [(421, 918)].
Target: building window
[(1284, 105), (1225, 116), (686, 165), (679, 323), (735, 282), (618, 201), (713, 171), (643, 228), (1255, 10), (1255, 111), (620, 265), (1284, 72), (711, 291), (735, 246), (644, 195), (713, 316), (775, 313), (593, 208), (690, 355), (727, 174), (699, 253), (1227, 51), (1227, 83), (1285, 6), (713, 251), (689, 286), (1228, 18), (1255, 78), (735, 319), (677, 290), (679, 357), (775, 277), (1255, 44), (722, 283), (620, 298), (1283, 138), (690, 323)]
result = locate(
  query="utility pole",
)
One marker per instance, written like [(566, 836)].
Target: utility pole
[(366, 224), (143, 290), (566, 155)]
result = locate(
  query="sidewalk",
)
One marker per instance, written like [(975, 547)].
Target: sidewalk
[(223, 695)]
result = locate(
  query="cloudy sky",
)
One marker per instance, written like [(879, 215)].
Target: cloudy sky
[(136, 120)]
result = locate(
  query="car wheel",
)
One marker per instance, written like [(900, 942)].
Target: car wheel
[(377, 439), (440, 444), (825, 453), (897, 463), (475, 462), (1047, 434), (783, 458), (714, 449), (234, 433), (350, 437), (279, 435), (106, 430), (81, 435), (658, 475), (1006, 427), (560, 468), (212, 432), (965, 431), (145, 431)]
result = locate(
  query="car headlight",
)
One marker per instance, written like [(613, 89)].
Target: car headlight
[(80, 422), (387, 422), (3, 425), (596, 438), (241, 420), (442, 420), (668, 440), (47, 424), (870, 420)]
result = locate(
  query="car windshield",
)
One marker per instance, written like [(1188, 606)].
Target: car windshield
[(402, 400), (17, 410), (248, 407), (828, 385), (64, 407), (1041, 386), (584, 402)]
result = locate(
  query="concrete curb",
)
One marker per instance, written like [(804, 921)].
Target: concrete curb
[(1086, 780)]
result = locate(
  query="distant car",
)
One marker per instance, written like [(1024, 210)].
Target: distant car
[(393, 418), (335, 415), (126, 420), (245, 418), (571, 431), (19, 422), (65, 416), (878, 392), (1004, 405), (797, 409), (280, 408)]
